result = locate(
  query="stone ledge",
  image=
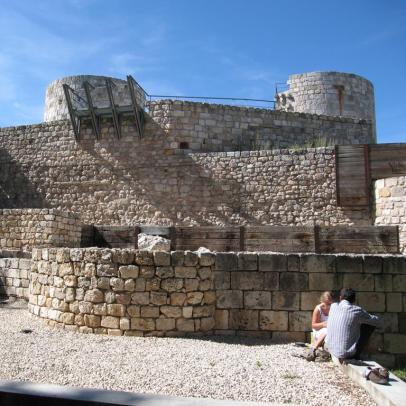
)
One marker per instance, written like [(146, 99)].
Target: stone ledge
[(384, 395)]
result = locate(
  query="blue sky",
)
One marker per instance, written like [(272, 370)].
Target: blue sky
[(235, 48)]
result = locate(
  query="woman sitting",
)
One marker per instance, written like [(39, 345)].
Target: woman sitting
[(319, 323)]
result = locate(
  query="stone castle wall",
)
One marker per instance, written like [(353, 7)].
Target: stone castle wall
[(331, 94), (390, 201), (213, 127), (24, 228), (133, 181), (128, 292), (15, 269)]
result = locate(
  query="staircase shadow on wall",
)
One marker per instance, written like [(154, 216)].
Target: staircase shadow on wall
[(16, 189)]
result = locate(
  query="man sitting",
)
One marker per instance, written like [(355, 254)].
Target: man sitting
[(349, 327)]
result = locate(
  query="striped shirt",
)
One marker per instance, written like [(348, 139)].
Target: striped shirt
[(343, 328)]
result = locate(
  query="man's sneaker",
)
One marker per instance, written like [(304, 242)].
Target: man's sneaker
[(311, 355)]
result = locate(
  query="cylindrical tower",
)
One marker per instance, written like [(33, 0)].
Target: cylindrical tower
[(329, 93), (55, 103)]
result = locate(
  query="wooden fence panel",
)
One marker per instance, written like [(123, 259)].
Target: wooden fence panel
[(387, 160), (358, 239), (211, 237), (116, 236), (280, 238)]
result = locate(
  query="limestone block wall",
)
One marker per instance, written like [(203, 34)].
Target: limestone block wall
[(329, 93), (123, 292), (132, 181), (214, 127), (390, 202), (253, 294), (14, 275), (24, 228)]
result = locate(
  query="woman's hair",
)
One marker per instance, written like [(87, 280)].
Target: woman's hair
[(325, 296)]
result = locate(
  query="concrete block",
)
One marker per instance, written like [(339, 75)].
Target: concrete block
[(247, 280), (317, 263), (243, 319), (229, 299), (272, 262), (300, 321), (257, 300), (273, 321), (293, 281)]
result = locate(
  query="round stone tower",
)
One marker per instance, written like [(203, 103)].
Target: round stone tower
[(329, 93), (55, 103)]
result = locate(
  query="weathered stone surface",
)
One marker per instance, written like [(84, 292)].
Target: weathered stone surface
[(165, 324), (153, 243), (226, 261), (243, 319), (300, 321), (285, 301), (372, 301), (272, 262), (247, 280), (140, 298), (360, 282), (329, 281), (171, 311), (177, 299), (128, 271), (172, 284), (221, 319), (162, 258), (158, 298), (92, 321), (165, 272), (110, 322), (94, 296), (293, 281), (150, 311), (222, 280), (185, 272), (116, 310), (273, 321), (317, 263), (257, 300), (309, 300), (247, 261), (345, 264), (187, 325), (194, 298), (142, 324), (395, 343), (229, 299)]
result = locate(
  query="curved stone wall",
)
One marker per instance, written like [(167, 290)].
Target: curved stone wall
[(390, 200), (116, 292), (55, 104), (331, 94)]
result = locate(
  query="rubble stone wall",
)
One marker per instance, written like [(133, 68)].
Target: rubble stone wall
[(390, 201), (252, 294), (123, 291), (14, 274), (24, 228), (134, 181), (213, 127)]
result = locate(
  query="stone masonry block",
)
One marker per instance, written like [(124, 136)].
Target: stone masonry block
[(243, 319), (165, 272), (229, 299), (300, 321), (285, 301), (293, 263), (394, 302), (257, 300), (309, 300), (222, 280), (221, 319), (348, 264), (273, 321), (191, 258), (247, 261), (389, 322), (110, 322), (206, 258), (293, 281), (372, 264), (371, 301), (165, 324), (128, 271), (271, 281), (177, 258), (402, 322), (317, 263), (395, 343), (247, 280), (272, 262), (325, 281), (142, 324), (399, 283), (162, 258), (226, 261), (383, 283), (394, 265), (185, 272), (359, 281)]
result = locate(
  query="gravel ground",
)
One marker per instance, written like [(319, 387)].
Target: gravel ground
[(222, 368)]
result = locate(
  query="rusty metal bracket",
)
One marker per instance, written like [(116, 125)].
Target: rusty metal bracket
[(75, 121), (138, 113), (93, 116), (116, 118)]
